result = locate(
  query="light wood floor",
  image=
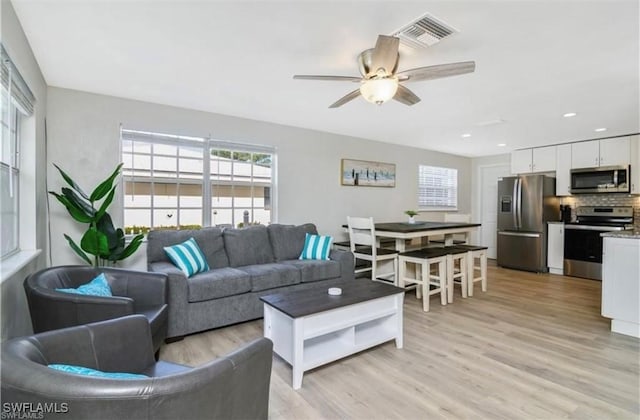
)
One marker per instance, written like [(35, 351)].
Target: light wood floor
[(533, 346)]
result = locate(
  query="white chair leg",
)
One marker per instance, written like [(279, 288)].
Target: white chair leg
[(402, 273), (442, 274), (470, 273), (463, 275), (395, 271), (418, 269), (426, 275), (483, 270), (449, 282)]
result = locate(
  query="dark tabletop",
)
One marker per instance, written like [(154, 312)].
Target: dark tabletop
[(306, 302), (405, 227)]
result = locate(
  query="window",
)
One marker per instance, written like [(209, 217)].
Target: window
[(437, 188), (173, 182), (16, 102)]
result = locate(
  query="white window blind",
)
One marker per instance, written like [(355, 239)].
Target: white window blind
[(16, 101), (437, 188)]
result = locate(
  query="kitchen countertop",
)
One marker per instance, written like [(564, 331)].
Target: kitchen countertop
[(628, 234)]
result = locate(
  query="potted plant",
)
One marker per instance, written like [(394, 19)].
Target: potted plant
[(412, 215), (101, 240)]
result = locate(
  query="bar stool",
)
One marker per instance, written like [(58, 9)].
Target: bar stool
[(455, 254), (475, 252), (424, 259)]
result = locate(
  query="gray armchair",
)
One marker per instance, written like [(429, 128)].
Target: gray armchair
[(135, 292), (235, 386)]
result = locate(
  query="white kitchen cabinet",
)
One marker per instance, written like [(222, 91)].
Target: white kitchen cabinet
[(605, 152), (585, 154), (544, 159), (538, 159), (521, 161), (555, 247), (615, 151), (621, 284), (563, 169), (635, 164)]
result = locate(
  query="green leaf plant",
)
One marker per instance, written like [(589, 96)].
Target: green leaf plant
[(101, 240)]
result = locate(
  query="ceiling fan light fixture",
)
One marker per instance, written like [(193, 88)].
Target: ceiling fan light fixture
[(379, 90)]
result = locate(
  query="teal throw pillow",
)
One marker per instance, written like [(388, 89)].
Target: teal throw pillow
[(96, 287), (85, 371), (188, 257), (316, 247)]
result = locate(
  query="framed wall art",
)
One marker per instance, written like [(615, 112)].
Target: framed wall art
[(362, 173)]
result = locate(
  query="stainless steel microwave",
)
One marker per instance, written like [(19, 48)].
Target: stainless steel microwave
[(605, 179)]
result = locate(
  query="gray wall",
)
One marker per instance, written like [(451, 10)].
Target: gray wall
[(83, 131), (14, 317)]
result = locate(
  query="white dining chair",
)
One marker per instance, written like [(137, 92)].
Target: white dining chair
[(362, 238)]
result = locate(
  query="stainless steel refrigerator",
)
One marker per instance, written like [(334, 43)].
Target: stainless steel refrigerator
[(525, 205)]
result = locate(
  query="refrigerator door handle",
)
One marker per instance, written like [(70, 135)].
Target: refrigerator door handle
[(519, 198), (526, 235), (515, 203)]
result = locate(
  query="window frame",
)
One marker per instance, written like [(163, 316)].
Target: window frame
[(441, 205), (206, 181), (13, 127)]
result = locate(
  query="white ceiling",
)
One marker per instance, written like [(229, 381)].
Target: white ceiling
[(535, 61)]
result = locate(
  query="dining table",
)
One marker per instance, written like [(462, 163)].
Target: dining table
[(401, 231)]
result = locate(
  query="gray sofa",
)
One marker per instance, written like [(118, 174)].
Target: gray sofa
[(234, 386), (244, 265)]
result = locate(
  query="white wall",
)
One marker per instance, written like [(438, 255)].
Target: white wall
[(14, 316), (83, 131)]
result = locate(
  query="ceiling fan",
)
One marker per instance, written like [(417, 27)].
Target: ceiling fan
[(380, 82)]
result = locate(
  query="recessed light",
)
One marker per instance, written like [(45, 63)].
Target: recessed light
[(569, 114), (501, 144), (599, 130), (466, 135)]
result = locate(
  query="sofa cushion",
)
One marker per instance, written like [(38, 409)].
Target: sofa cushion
[(287, 240), (248, 246), (209, 239), (218, 283), (270, 276), (85, 371), (316, 247), (96, 287), (188, 257), (315, 270)]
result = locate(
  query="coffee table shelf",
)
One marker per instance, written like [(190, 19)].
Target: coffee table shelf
[(318, 338)]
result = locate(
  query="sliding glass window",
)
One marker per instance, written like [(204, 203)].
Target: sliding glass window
[(174, 182)]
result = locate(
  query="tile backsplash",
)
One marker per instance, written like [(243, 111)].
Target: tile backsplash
[(605, 200)]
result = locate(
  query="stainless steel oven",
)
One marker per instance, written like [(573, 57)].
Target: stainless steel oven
[(583, 243)]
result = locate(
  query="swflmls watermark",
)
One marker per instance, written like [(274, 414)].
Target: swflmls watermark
[(24, 410)]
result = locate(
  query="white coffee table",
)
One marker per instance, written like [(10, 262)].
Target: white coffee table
[(310, 328)]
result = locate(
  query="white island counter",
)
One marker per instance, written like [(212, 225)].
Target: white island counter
[(621, 281)]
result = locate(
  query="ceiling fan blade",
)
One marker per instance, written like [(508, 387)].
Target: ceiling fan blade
[(346, 98), (384, 55), (405, 96), (327, 78), (437, 71)]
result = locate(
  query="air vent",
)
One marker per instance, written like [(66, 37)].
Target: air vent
[(424, 32)]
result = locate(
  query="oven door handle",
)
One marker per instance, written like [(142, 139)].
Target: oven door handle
[(596, 228)]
